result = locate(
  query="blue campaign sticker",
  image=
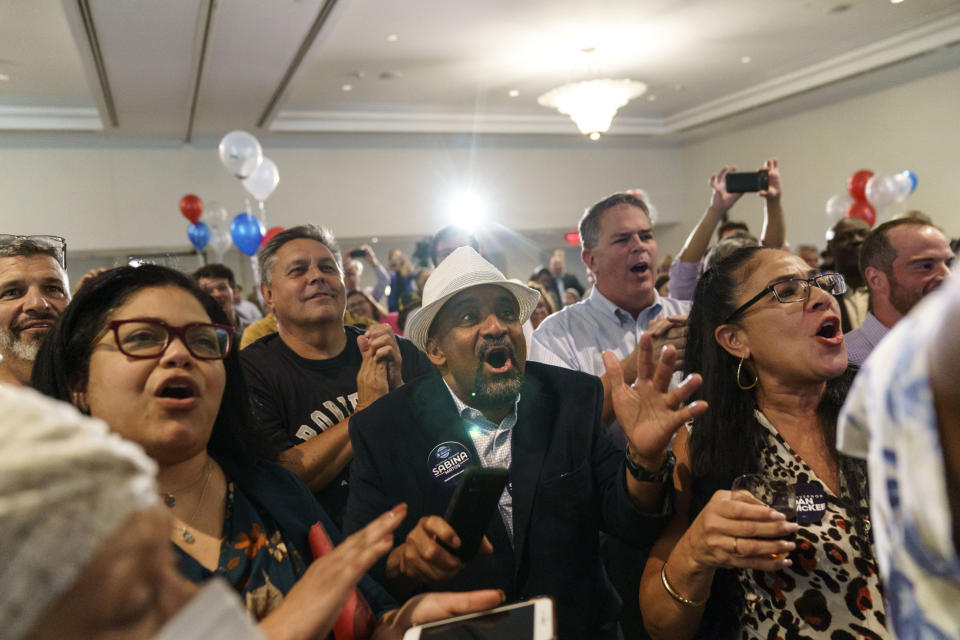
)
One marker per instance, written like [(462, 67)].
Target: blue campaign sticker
[(811, 502), (447, 461)]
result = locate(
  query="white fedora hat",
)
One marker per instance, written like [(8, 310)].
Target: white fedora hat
[(461, 270)]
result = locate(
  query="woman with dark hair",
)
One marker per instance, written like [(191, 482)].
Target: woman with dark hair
[(765, 335), (148, 352), (360, 303)]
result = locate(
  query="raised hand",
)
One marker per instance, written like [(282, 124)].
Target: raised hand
[(722, 200), (775, 187), (311, 608), (648, 410)]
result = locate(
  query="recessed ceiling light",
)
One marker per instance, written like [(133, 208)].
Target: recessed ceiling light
[(4, 77), (895, 1), (392, 37), (745, 59), (513, 93), (347, 87), (651, 98)]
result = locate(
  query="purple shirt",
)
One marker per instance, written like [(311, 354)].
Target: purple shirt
[(860, 342)]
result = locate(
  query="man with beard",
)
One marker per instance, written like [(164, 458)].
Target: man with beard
[(902, 261), (487, 406), (33, 293)]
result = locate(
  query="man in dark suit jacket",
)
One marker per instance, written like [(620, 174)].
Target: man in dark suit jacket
[(487, 406), (561, 280)]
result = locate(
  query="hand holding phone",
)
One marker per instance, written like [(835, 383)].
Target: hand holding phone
[(472, 506), (357, 253), (748, 182), (531, 620)]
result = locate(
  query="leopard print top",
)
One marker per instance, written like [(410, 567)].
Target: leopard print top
[(832, 590)]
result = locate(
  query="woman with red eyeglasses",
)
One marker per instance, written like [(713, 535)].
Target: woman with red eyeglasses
[(153, 356)]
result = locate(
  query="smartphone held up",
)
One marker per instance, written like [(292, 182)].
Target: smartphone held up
[(748, 182)]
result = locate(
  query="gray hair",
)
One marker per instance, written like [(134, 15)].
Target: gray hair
[(267, 256), (726, 247), (590, 222)]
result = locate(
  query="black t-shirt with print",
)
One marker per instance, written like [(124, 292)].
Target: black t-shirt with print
[(295, 398)]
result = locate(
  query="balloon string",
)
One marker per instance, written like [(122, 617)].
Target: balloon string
[(263, 213)]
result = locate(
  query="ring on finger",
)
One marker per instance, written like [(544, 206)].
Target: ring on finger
[(735, 551)]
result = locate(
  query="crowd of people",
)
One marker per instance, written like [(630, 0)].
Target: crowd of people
[(201, 464)]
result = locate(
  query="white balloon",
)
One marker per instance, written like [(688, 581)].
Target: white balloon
[(220, 241), (216, 216), (263, 181), (902, 185), (240, 153), (837, 207), (881, 191)]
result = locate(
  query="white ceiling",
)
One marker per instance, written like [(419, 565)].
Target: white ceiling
[(193, 69)]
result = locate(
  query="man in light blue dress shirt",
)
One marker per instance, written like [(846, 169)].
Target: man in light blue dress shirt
[(619, 248)]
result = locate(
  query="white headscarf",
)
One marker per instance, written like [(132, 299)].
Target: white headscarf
[(66, 484)]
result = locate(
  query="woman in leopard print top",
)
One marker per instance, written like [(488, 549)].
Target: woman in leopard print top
[(765, 334)]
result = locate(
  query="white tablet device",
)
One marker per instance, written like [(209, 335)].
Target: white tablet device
[(529, 620)]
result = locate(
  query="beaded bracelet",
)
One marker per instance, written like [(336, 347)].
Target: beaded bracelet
[(673, 594)]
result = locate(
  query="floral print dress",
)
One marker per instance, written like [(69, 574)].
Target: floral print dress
[(832, 590)]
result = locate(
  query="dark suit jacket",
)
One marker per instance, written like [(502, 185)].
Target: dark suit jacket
[(568, 484)]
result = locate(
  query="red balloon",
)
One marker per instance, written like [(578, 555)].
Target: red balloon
[(862, 210), (272, 231), (857, 184), (191, 207)]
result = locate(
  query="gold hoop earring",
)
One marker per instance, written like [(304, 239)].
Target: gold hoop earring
[(740, 384)]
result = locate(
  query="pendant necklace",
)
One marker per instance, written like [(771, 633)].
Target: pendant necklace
[(170, 497), (185, 534)]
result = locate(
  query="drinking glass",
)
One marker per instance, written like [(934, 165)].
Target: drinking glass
[(776, 494)]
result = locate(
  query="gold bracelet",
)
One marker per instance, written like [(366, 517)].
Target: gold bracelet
[(673, 594)]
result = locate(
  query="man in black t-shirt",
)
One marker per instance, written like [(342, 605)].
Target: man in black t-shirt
[(307, 379)]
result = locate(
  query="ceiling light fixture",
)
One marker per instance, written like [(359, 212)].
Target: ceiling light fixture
[(513, 93), (4, 77), (347, 87), (745, 59), (392, 37), (593, 103)]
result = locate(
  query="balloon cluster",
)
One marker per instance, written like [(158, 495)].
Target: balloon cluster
[(242, 155), (867, 193)]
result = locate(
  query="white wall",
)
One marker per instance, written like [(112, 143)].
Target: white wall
[(103, 195), (913, 126)]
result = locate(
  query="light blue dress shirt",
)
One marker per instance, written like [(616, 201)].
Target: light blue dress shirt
[(493, 445), (576, 336)]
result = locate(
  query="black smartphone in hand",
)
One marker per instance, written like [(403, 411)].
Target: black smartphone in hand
[(747, 182), (471, 506)]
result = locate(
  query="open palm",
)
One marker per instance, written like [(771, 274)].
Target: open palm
[(648, 410)]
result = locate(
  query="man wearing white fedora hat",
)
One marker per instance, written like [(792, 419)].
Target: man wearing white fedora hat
[(487, 406)]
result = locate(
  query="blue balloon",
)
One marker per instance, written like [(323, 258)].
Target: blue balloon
[(913, 180), (247, 232), (199, 235)]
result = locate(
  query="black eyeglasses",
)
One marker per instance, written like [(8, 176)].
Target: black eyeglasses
[(796, 290), (148, 338), (56, 244)]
